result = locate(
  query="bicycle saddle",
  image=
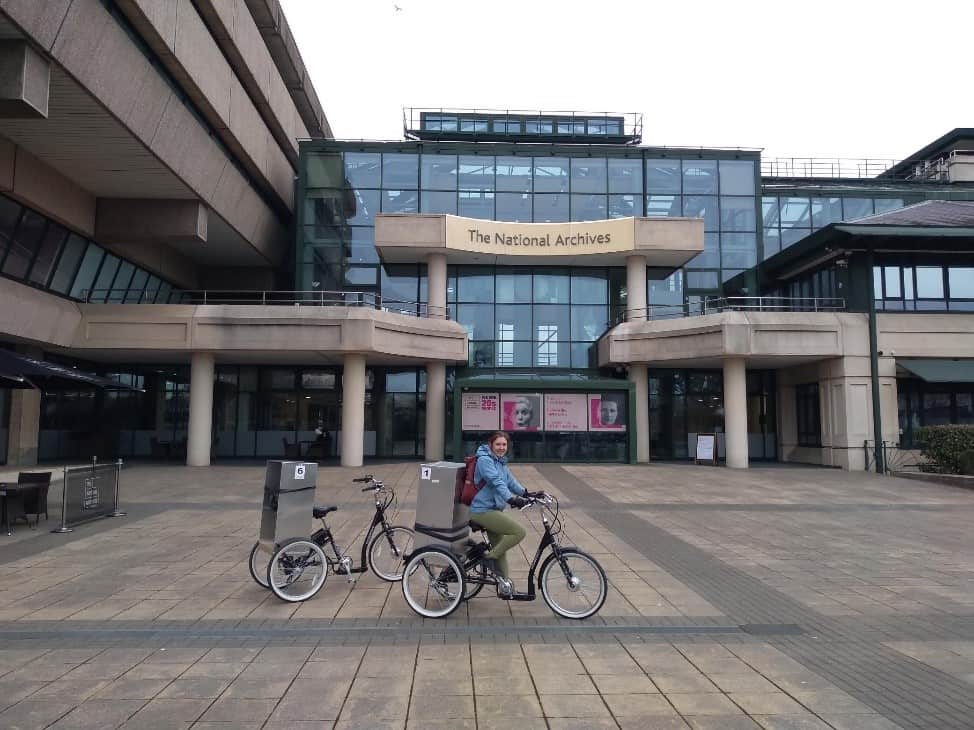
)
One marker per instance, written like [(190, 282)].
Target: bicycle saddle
[(474, 525), (320, 511)]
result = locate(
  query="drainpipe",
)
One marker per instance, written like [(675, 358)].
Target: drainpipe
[(874, 369)]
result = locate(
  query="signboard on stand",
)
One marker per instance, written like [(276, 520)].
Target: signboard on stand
[(706, 449)]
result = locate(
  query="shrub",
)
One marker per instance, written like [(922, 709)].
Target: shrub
[(944, 445), (966, 462)]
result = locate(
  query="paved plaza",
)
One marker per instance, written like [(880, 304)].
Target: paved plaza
[(770, 598)]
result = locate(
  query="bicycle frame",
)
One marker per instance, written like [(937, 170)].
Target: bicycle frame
[(323, 536)]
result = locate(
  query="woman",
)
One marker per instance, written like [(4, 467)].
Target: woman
[(499, 489)]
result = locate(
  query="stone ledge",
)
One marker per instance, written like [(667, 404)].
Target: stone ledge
[(951, 480)]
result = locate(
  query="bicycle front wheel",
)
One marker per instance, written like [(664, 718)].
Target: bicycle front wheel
[(258, 566), (297, 570), (388, 550), (433, 583), (574, 585)]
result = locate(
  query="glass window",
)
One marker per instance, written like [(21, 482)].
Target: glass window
[(513, 321), (439, 202), (589, 175), (24, 243), (589, 207), (738, 250), (68, 263), (710, 258), (551, 175), (539, 126), (796, 213), (513, 174), (853, 208), (930, 282), (366, 206), (791, 236), (663, 176), (736, 177), (363, 169), (9, 215), (513, 286), (825, 211), (589, 287), (105, 278), (885, 205), (137, 287), (807, 414), (700, 177), (960, 282), (702, 206), (400, 282), (589, 321), (669, 206), (513, 207), (120, 284), (324, 170), (475, 284), (438, 172), (477, 204), (772, 242), (507, 126), (877, 282), (552, 322), (667, 292), (47, 253), (769, 211), (477, 319), (907, 282), (361, 275), (737, 214), (936, 409), (476, 172), (551, 286), (166, 293), (318, 380), (891, 278), (551, 208), (702, 280), (400, 170), (400, 201), (625, 206), (473, 125), (625, 176), (571, 127)]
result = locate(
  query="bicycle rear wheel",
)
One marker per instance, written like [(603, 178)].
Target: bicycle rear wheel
[(297, 570), (573, 586), (388, 550), (258, 568), (433, 582)]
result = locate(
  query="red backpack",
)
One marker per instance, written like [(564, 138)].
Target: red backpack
[(470, 488)]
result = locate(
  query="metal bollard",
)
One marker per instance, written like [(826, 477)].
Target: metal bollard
[(118, 473), (64, 504)]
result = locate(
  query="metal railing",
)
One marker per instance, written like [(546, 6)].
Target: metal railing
[(895, 457), (938, 170), (824, 167), (314, 298), (716, 305)]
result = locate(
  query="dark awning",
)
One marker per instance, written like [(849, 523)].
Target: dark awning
[(940, 371), (20, 371)]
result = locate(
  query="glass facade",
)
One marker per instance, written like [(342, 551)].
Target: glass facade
[(39, 252), (931, 404), (924, 284)]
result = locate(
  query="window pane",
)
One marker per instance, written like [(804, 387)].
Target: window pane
[(669, 206), (477, 204), (25, 242), (400, 201), (551, 322), (551, 208), (625, 206), (710, 258), (366, 206), (853, 208), (589, 175), (514, 207), (439, 202), (795, 213), (513, 287), (668, 292), (663, 176), (625, 176), (476, 172), (930, 282), (9, 214), (589, 287), (47, 253), (361, 276), (439, 172), (884, 205), (551, 175), (477, 319), (877, 282), (589, 321), (514, 174), (589, 207), (68, 262), (400, 282), (702, 280), (400, 170), (790, 236), (362, 169), (737, 214), (960, 282), (120, 285), (137, 287), (324, 170), (475, 285), (513, 321), (769, 211), (825, 211), (105, 278), (736, 177), (772, 242), (891, 276), (551, 287), (702, 206), (700, 176), (738, 250)]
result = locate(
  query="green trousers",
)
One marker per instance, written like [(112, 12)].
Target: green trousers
[(503, 532)]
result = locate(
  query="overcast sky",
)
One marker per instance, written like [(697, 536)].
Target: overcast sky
[(819, 78)]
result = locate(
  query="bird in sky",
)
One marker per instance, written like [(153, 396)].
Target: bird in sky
[(397, 8)]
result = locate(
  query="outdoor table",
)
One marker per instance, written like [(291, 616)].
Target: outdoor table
[(10, 489)]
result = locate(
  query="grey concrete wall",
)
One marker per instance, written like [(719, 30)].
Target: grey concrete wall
[(30, 315)]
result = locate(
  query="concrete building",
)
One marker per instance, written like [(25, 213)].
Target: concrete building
[(176, 216)]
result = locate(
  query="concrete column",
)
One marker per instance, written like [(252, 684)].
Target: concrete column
[(636, 288), (353, 410), (435, 410), (201, 376), (436, 287), (25, 420), (735, 413), (639, 375)]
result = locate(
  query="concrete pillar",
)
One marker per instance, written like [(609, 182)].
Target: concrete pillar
[(639, 376), (435, 410), (25, 420), (735, 413), (353, 409), (436, 287), (201, 378), (635, 288)]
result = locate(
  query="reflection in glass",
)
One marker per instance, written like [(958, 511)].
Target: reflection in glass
[(513, 207), (476, 172), (825, 211), (513, 286), (702, 206), (795, 213), (930, 282), (363, 169), (551, 208), (769, 211), (23, 244), (438, 172), (700, 177), (588, 207), (669, 206), (663, 176), (625, 206), (589, 175), (625, 176), (400, 170), (737, 177), (47, 253), (853, 208), (551, 175), (589, 287), (551, 287), (513, 174), (960, 282), (439, 202), (737, 214), (475, 285)]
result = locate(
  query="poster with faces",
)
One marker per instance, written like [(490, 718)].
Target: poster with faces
[(521, 412), (479, 411), (607, 411)]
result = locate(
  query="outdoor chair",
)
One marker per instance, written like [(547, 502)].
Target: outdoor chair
[(35, 500)]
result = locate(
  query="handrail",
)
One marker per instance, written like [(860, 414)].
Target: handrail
[(733, 304), (825, 167), (236, 297)]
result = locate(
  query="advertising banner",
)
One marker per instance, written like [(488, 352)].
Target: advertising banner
[(564, 412), (479, 412), (607, 411), (521, 412)]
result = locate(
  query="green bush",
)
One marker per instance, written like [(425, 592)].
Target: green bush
[(944, 445), (966, 462)]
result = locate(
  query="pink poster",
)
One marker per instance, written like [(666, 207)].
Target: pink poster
[(564, 412), (479, 412), (607, 411), (521, 412)]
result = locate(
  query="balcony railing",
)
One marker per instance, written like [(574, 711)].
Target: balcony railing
[(824, 167), (734, 304), (315, 298)]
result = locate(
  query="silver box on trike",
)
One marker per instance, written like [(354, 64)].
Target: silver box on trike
[(289, 497), (438, 505)]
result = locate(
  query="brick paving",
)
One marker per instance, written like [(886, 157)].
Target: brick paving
[(774, 598)]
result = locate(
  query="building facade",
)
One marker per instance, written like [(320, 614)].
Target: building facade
[(190, 228)]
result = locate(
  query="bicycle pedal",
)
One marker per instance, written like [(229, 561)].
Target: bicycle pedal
[(520, 597)]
